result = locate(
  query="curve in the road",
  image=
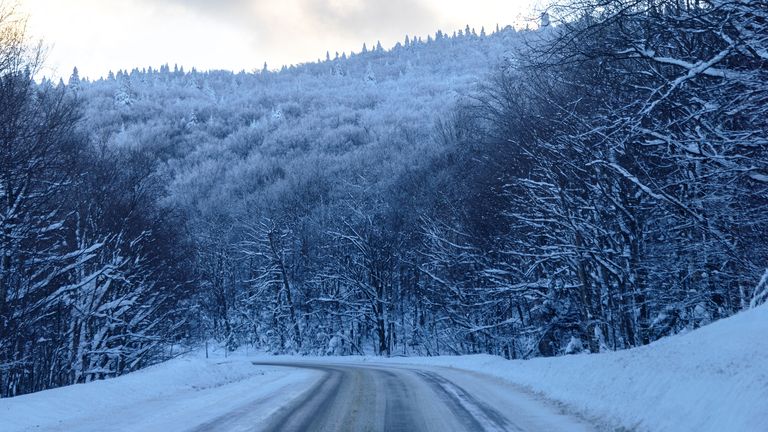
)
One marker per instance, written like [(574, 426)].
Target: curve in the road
[(373, 398)]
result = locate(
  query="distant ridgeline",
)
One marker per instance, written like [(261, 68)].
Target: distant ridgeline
[(591, 186)]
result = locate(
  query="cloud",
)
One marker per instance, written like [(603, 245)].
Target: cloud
[(291, 31), (369, 18), (102, 35), (344, 18), (210, 6), (235, 11)]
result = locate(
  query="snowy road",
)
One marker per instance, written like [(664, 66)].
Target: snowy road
[(290, 394), (706, 381), (351, 397)]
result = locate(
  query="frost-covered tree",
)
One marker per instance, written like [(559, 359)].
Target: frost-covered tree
[(269, 299), (595, 186), (370, 76), (83, 254), (74, 80)]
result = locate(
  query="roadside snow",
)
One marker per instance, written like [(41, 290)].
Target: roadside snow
[(712, 379), (176, 395)]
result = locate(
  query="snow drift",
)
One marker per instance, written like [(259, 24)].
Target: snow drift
[(175, 395), (712, 379)]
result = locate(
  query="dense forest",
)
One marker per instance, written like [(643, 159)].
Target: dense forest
[(592, 183)]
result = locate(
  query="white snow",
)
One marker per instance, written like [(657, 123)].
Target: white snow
[(712, 379), (176, 395)]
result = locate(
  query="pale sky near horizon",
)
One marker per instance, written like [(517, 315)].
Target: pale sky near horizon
[(102, 35)]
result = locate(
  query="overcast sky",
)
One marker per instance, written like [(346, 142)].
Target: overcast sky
[(102, 35)]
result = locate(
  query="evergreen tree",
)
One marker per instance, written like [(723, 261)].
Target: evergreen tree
[(74, 80), (370, 76)]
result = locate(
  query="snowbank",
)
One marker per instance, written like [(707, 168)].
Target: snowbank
[(712, 379), (181, 393)]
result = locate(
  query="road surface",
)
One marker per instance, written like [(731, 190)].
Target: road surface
[(352, 397)]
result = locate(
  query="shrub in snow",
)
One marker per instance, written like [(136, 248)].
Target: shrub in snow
[(575, 346)]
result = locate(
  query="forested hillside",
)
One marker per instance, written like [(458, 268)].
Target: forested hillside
[(592, 185)]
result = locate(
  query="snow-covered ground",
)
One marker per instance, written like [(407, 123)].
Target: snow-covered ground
[(712, 379), (176, 395)]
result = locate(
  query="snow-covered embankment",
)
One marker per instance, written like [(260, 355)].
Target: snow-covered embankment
[(175, 395), (712, 379)]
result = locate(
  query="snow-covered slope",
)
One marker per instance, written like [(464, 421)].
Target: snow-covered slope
[(712, 379), (176, 395)]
